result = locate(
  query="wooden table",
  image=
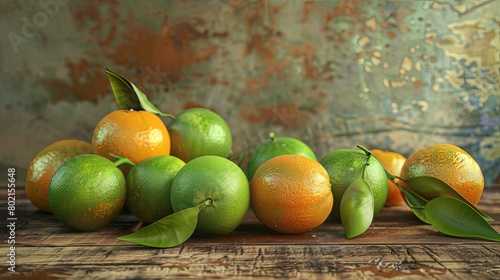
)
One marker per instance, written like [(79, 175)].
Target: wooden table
[(397, 245)]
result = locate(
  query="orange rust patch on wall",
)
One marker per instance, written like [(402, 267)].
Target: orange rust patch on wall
[(265, 46), (417, 84), (134, 50), (288, 115), (308, 52), (351, 8), (253, 86), (88, 81)]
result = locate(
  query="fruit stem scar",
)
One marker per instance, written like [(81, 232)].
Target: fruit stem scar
[(208, 201), (272, 136)]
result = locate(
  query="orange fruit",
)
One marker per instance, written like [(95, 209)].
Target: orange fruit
[(344, 166), (87, 192), (44, 165), (276, 146), (219, 180), (135, 135), (199, 132), (451, 165), (148, 187), (291, 194), (393, 163)]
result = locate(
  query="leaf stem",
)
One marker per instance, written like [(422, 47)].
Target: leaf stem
[(389, 175), (364, 149), (170, 116), (121, 160), (368, 154)]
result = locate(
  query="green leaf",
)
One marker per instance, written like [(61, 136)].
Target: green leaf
[(416, 203), (454, 217), (147, 105), (431, 187), (357, 208), (124, 92), (129, 96), (170, 231)]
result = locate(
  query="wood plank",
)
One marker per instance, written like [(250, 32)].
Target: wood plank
[(251, 234), (397, 245), (224, 260), (395, 225)]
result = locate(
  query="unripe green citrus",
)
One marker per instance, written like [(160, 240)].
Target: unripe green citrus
[(198, 132), (276, 146), (345, 166), (219, 180), (148, 187), (87, 192)]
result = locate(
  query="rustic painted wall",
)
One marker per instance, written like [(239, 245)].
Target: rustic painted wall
[(395, 75)]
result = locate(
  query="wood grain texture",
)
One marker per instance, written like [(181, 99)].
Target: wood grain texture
[(396, 246)]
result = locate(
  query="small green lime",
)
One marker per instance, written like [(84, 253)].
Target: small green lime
[(276, 146), (148, 187), (87, 192), (198, 132), (219, 180), (345, 166)]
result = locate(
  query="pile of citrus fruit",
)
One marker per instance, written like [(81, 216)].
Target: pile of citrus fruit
[(178, 180)]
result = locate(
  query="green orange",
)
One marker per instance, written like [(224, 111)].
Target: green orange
[(276, 146), (216, 179), (44, 165), (87, 192), (198, 132), (148, 187), (345, 166)]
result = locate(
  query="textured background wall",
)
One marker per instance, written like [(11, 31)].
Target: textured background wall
[(395, 75)]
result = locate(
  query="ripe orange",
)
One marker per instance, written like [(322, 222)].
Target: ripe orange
[(344, 166), (276, 146), (135, 135), (291, 194), (393, 163), (87, 192), (199, 132), (452, 165), (219, 180), (43, 166)]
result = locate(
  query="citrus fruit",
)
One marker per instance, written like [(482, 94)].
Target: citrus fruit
[(291, 194), (43, 166), (198, 132), (135, 135), (451, 165), (87, 192), (219, 180), (148, 187), (345, 166), (276, 146), (393, 163)]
